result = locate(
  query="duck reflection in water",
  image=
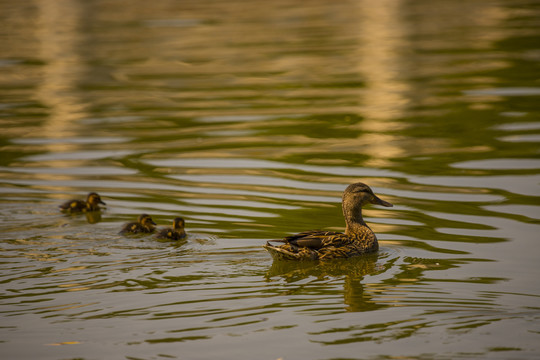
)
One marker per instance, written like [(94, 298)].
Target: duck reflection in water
[(356, 295), (144, 225), (93, 217), (358, 238)]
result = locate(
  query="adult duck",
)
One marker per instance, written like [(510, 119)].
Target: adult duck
[(321, 245), (79, 206), (177, 232), (143, 225)]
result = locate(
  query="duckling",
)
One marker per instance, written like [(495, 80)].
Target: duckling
[(78, 206), (144, 225), (321, 245), (177, 231)]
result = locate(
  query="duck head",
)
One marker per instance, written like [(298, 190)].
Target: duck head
[(146, 221), (94, 199), (357, 195), (178, 223)]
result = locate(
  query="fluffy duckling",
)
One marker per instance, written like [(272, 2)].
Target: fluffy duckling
[(143, 225), (79, 206), (177, 231), (320, 245)]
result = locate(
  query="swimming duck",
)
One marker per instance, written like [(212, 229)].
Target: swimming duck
[(320, 245), (143, 225), (78, 206), (177, 231)]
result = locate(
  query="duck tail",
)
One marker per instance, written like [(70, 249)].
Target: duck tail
[(279, 253)]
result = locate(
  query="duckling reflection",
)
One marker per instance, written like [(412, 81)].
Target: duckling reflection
[(93, 217), (177, 232), (144, 225), (352, 271), (79, 206), (358, 238)]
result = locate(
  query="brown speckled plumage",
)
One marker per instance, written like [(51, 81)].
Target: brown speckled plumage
[(321, 245)]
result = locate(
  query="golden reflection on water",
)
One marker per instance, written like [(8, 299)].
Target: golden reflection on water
[(60, 38), (382, 61), (185, 74), (71, 268), (64, 343)]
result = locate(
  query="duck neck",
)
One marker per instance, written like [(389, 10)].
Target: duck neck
[(354, 221)]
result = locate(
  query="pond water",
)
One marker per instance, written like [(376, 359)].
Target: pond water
[(249, 119)]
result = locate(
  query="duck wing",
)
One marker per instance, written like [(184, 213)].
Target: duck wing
[(131, 228), (73, 205), (314, 239)]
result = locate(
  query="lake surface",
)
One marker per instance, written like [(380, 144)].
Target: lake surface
[(249, 119)]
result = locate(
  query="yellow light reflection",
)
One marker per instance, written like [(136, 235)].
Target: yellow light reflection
[(60, 38)]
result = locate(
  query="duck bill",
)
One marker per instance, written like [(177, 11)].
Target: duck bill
[(102, 202), (378, 201)]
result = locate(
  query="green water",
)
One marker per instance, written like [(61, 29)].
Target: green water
[(249, 119)]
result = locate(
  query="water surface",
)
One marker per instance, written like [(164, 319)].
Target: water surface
[(249, 119)]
